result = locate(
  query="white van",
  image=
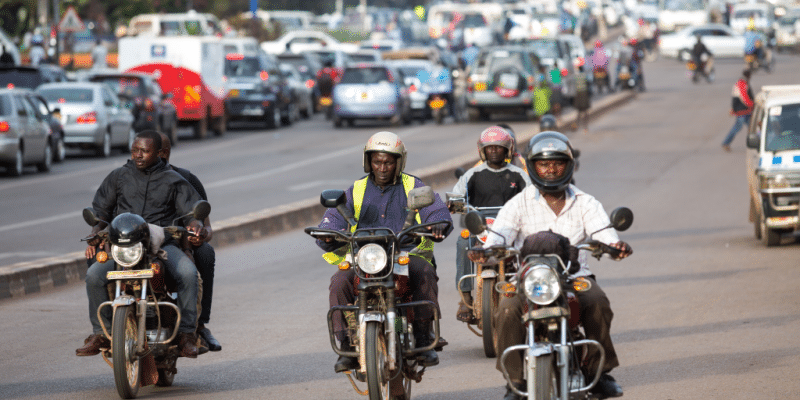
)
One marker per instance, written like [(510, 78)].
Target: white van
[(189, 23), (288, 20)]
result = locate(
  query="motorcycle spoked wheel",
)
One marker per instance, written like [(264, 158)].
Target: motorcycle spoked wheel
[(545, 382), (489, 300), (123, 346), (378, 374)]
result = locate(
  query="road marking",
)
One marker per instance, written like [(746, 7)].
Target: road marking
[(30, 223), (309, 185)]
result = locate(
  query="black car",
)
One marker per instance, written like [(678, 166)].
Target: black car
[(53, 117), (141, 93), (28, 77), (257, 90)]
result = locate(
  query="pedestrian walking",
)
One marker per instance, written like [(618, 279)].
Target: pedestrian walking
[(582, 101), (742, 107)]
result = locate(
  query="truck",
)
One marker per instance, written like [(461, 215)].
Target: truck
[(190, 70)]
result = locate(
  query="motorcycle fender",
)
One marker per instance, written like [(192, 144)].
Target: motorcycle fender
[(488, 274), (124, 300), (371, 316), (540, 350)]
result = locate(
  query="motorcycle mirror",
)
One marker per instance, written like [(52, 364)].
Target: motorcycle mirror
[(420, 197), (201, 210), (460, 172), (90, 216), (332, 197), (621, 218), (475, 222)]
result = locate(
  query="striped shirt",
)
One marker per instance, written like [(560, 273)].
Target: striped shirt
[(529, 213)]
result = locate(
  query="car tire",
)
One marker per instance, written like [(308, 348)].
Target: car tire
[(201, 128), (15, 168), (59, 150), (104, 149), (289, 118), (473, 114), (337, 122), (221, 124), (172, 132), (273, 120), (47, 161)]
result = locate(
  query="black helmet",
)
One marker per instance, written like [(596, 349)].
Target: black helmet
[(547, 123), (550, 145), (128, 229)]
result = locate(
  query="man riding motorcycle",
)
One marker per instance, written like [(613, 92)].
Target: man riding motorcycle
[(147, 187), (489, 184), (698, 51), (379, 201), (553, 204)]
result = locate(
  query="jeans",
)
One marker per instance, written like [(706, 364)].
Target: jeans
[(205, 259), (741, 121), (463, 265), (179, 266)]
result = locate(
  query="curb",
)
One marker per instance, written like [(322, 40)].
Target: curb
[(41, 275)]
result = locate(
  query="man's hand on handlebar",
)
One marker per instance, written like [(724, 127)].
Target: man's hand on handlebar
[(625, 249), (438, 231)]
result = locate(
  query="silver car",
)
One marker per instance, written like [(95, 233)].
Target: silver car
[(24, 134), (371, 91), (92, 116)]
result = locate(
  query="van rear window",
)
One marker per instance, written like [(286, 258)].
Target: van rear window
[(67, 95)]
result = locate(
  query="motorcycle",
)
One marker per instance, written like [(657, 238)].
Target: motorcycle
[(486, 276), (438, 106), (555, 345), (754, 62), (626, 79), (602, 80), (325, 105), (705, 69), (145, 313), (380, 323)]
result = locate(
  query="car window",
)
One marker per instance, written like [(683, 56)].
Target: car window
[(783, 128), (365, 76), (5, 105), (20, 106), (31, 108), (170, 28), (39, 105), (125, 86), (756, 122), (545, 48), (473, 21), (64, 95), (245, 66), (23, 78)]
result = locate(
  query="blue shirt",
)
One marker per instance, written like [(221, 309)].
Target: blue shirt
[(383, 208)]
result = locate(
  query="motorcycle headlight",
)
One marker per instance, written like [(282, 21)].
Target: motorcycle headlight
[(541, 285), (127, 256), (371, 258)]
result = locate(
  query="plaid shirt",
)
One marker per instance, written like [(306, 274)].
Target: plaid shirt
[(528, 213)]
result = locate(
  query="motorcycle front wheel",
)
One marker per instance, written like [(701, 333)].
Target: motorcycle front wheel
[(127, 369), (377, 365), (489, 304), (545, 382)]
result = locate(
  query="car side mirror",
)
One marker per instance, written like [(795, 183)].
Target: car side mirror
[(332, 198), (420, 197), (753, 141)]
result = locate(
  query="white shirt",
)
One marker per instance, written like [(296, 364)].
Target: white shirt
[(528, 213)]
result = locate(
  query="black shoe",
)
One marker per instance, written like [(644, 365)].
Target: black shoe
[(607, 387), (423, 338), (212, 342), (345, 363), (510, 395)]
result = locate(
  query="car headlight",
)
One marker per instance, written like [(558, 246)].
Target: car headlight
[(371, 258), (127, 256), (541, 284)]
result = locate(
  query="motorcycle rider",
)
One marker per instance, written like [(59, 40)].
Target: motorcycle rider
[(147, 187), (753, 43), (515, 157), (204, 255), (379, 200), (553, 204), (697, 56), (489, 184)]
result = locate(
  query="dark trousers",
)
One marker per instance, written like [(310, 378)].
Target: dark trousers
[(424, 286), (596, 316), (205, 259)]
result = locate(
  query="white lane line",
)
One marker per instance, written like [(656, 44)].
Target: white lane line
[(30, 223), (309, 185)]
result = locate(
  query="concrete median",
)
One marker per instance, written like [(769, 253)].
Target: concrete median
[(41, 275)]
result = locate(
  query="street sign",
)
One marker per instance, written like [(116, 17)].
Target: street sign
[(71, 22)]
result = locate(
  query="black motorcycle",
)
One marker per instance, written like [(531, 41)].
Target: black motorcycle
[(379, 324), (145, 313)]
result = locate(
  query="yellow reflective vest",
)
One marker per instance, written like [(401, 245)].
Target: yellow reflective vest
[(424, 249)]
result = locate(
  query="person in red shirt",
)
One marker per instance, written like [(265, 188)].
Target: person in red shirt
[(742, 107)]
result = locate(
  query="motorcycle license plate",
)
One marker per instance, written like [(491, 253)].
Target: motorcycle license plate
[(624, 76), (436, 103), (253, 111), (135, 274), (325, 101), (600, 75)]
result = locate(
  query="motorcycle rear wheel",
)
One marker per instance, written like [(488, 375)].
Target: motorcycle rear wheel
[(123, 348), (377, 367), (546, 385), (488, 305)]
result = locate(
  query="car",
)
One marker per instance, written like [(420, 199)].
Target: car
[(92, 116), (304, 40), (381, 44), (25, 76), (189, 23), (501, 80), (720, 39), (308, 65), (303, 92), (760, 15), (472, 30), (787, 31), (773, 173), (365, 56), (554, 54), (53, 118), (142, 95), (24, 134), (674, 15), (370, 91), (256, 90)]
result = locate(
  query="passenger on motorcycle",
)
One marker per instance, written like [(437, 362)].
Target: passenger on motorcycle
[(489, 184), (145, 186), (515, 158), (698, 51), (553, 204), (379, 200), (753, 42), (204, 255)]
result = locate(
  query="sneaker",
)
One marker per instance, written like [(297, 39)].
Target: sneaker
[(726, 147)]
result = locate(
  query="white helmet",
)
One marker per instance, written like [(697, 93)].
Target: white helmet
[(385, 142)]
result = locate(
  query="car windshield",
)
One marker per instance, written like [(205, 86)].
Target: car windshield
[(20, 78), (545, 49), (412, 70), (365, 76), (123, 86), (505, 59), (363, 58), (67, 95), (473, 21), (783, 128), (246, 66), (788, 20)]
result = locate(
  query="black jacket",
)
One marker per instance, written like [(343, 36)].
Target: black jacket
[(159, 194)]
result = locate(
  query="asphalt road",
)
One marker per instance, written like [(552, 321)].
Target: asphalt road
[(702, 310)]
